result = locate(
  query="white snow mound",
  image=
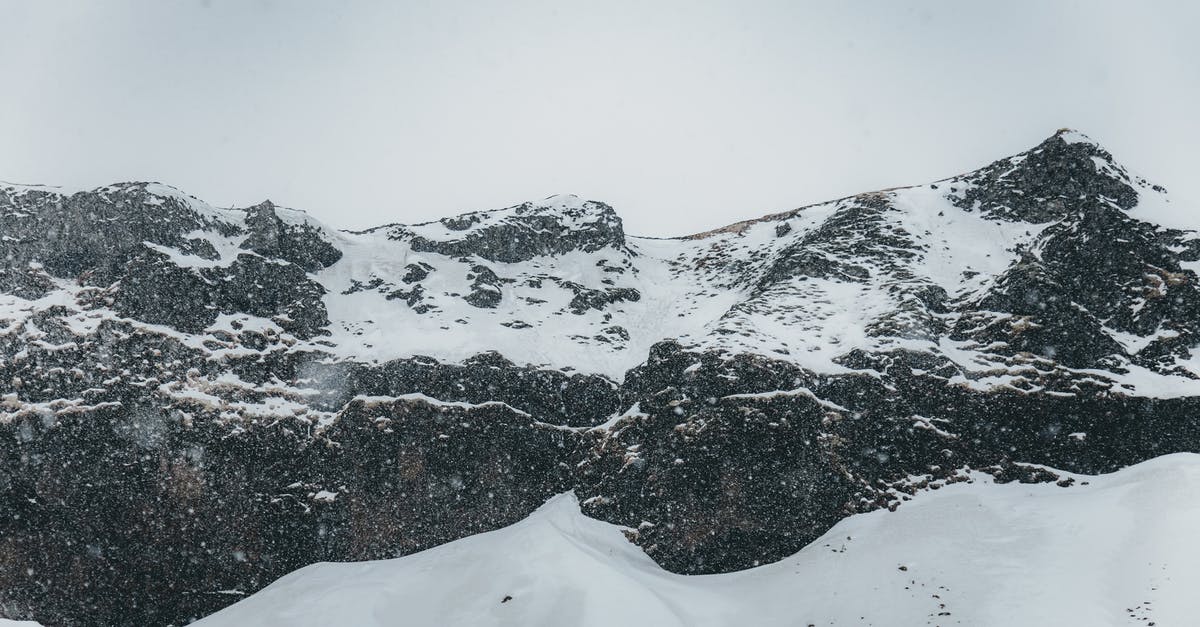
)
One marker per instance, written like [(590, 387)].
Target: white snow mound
[(1120, 550)]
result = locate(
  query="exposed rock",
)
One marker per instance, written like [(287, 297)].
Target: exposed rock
[(196, 400), (1064, 173), (526, 231), (416, 272), (586, 299), (300, 244), (485, 288)]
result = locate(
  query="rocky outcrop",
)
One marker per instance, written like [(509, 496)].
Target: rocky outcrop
[(92, 235), (157, 291), (521, 233), (1065, 173), (301, 244)]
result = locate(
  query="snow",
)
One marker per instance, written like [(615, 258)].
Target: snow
[(325, 496), (366, 325), (429, 400), (1115, 549), (1072, 136), (634, 411), (572, 212), (957, 241), (1141, 381), (712, 291), (202, 208), (1133, 344), (810, 321), (181, 259), (22, 188), (804, 392), (684, 294), (1156, 207)]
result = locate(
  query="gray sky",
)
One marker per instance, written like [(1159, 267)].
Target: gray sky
[(682, 115)]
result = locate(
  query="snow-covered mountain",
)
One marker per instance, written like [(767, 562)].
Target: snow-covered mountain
[(198, 400), (1118, 549)]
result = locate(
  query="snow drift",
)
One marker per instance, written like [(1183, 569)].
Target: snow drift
[(1108, 550)]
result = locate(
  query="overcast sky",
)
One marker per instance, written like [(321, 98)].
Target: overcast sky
[(682, 115)]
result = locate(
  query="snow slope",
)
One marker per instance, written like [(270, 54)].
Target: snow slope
[(707, 291), (557, 284), (1115, 549)]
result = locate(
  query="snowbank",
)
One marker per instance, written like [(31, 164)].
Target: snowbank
[(1121, 549)]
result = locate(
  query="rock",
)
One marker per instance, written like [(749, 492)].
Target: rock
[(185, 408), (485, 288), (301, 244), (527, 231)]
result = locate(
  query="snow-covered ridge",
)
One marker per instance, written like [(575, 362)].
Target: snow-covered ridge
[(871, 273), (1114, 549), (569, 210), (157, 194), (558, 284)]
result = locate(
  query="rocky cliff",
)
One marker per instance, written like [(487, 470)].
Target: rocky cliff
[(195, 401)]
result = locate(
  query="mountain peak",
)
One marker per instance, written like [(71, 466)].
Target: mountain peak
[(1072, 136), (563, 201), (1067, 172)]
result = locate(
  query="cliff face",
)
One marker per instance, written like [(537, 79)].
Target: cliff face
[(195, 401)]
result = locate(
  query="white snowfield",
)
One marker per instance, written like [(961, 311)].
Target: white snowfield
[(1117, 549)]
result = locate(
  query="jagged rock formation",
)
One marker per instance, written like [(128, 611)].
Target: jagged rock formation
[(195, 401)]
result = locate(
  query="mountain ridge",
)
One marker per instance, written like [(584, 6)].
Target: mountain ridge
[(177, 370), (1068, 135)]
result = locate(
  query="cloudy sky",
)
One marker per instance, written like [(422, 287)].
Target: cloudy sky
[(682, 115)]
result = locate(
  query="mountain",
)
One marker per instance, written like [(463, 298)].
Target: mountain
[(1120, 550), (197, 401)]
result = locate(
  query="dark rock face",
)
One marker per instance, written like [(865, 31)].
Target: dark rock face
[(859, 232), (531, 231), (1063, 308), (30, 283), (159, 292), (485, 288), (1043, 184), (96, 233), (586, 299), (300, 244), (181, 422)]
